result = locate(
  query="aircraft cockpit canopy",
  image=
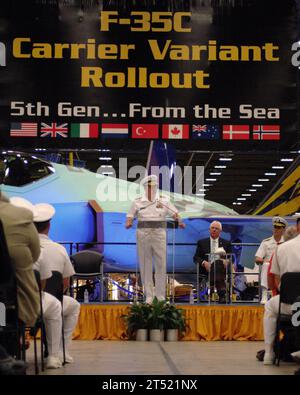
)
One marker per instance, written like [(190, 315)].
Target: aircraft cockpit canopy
[(17, 169)]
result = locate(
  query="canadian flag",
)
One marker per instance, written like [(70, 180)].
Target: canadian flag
[(175, 132)]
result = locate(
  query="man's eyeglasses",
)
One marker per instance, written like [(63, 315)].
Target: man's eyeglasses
[(279, 227)]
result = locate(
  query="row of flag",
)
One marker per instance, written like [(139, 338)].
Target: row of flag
[(146, 131)]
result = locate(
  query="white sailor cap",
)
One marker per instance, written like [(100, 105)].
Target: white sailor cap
[(149, 180), (21, 202), (43, 212), (279, 221)]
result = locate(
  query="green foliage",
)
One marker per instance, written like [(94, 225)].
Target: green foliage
[(174, 317), (156, 317), (137, 317)]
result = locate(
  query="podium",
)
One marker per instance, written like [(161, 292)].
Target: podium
[(217, 284)]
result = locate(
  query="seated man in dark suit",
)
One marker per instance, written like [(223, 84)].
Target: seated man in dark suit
[(217, 268)]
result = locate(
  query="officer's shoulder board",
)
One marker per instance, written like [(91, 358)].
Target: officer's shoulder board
[(268, 239), (57, 244), (164, 197)]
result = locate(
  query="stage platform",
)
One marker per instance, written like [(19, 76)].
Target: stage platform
[(205, 322)]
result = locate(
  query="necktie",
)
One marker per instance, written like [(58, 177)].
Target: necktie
[(214, 246)]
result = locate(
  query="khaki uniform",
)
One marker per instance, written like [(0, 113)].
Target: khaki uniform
[(24, 249)]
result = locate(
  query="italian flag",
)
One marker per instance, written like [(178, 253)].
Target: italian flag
[(84, 130)]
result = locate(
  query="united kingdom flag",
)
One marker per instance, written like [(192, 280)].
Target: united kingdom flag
[(54, 130)]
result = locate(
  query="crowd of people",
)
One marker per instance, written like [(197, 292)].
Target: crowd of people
[(26, 228)]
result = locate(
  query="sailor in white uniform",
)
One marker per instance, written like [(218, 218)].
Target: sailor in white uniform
[(51, 305), (286, 259), (55, 257), (151, 211), (266, 250)]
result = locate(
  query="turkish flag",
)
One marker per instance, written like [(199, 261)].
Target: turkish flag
[(145, 131), (175, 132)]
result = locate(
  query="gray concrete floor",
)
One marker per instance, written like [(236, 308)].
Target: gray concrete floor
[(167, 358)]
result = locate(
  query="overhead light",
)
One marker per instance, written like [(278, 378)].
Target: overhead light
[(263, 179), (246, 194), (215, 174), (252, 190), (277, 167), (202, 190), (3, 152), (286, 160), (106, 166), (107, 173), (237, 203), (241, 199), (200, 194), (206, 185), (210, 179), (270, 174), (225, 159), (257, 185), (220, 167), (105, 158)]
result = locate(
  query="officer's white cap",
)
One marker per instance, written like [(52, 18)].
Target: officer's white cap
[(21, 202), (149, 180), (43, 212), (279, 221)]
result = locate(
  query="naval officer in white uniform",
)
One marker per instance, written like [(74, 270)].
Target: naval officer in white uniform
[(266, 250), (151, 211), (55, 257)]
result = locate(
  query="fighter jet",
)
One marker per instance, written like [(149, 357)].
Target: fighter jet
[(92, 207)]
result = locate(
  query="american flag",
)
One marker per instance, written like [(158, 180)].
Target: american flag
[(54, 130), (23, 129)]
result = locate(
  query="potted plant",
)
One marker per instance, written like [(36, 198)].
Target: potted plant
[(156, 320), (137, 321), (174, 321)]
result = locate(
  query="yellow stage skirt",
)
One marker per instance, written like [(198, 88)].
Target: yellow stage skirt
[(100, 321)]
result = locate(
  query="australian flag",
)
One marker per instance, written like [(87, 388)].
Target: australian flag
[(205, 132)]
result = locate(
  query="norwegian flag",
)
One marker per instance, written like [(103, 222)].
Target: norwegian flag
[(266, 132), (54, 130), (236, 132)]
